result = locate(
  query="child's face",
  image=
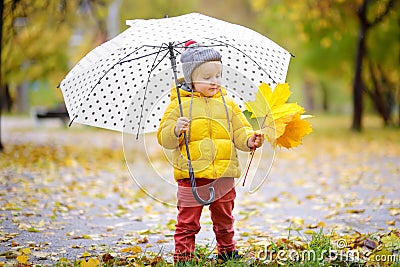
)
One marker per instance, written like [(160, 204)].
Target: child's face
[(207, 78)]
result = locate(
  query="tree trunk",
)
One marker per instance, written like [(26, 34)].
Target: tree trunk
[(381, 93), (1, 78), (358, 84), (308, 93), (6, 101), (22, 99), (325, 101)]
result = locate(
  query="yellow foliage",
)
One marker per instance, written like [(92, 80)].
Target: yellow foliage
[(23, 259), (25, 251), (133, 250), (294, 132), (258, 5), (92, 262), (326, 42), (85, 254), (279, 121)]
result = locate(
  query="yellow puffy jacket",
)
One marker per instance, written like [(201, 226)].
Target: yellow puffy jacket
[(217, 127)]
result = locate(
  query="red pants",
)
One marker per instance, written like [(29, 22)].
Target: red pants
[(189, 222)]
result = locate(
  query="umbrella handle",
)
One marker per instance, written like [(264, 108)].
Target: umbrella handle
[(191, 172), (200, 200), (194, 189)]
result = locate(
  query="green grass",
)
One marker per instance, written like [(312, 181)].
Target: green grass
[(319, 251)]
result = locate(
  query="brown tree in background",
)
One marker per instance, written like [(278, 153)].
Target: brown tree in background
[(365, 25)]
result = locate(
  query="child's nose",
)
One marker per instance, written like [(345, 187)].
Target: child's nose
[(215, 80)]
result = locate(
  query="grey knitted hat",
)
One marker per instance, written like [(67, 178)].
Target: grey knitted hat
[(194, 56)]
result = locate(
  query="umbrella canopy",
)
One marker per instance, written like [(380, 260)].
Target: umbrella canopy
[(124, 84)]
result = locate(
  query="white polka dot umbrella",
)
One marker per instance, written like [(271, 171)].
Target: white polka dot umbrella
[(124, 84)]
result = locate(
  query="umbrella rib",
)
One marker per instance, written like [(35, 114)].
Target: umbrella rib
[(148, 80), (153, 67), (98, 82), (255, 62), (129, 60)]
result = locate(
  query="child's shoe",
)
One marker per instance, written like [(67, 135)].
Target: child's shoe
[(232, 255)]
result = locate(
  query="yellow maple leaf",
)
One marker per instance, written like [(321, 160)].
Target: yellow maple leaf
[(266, 100), (271, 112), (85, 254), (92, 262), (260, 107), (133, 250), (25, 251), (23, 259), (294, 132)]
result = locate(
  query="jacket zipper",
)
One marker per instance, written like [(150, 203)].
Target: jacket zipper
[(210, 133)]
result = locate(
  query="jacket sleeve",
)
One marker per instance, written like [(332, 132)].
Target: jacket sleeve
[(242, 129), (166, 136)]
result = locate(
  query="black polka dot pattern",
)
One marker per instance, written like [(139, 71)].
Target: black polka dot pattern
[(125, 83)]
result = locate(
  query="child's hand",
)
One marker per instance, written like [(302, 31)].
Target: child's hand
[(256, 140), (182, 124)]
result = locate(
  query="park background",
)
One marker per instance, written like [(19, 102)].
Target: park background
[(56, 180)]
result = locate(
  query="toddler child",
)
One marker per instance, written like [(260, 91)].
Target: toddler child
[(215, 127)]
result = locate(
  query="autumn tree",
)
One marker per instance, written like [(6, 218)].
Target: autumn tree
[(330, 34), (36, 37), (370, 14)]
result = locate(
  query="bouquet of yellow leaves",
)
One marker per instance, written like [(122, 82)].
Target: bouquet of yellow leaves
[(281, 123)]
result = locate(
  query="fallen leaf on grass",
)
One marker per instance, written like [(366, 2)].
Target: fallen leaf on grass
[(143, 240), (316, 225), (25, 251), (394, 211), (133, 250), (12, 206), (85, 254), (332, 214), (297, 221), (107, 258), (23, 259), (391, 223), (392, 241), (171, 224), (83, 236), (309, 232), (355, 211), (92, 262), (33, 230)]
